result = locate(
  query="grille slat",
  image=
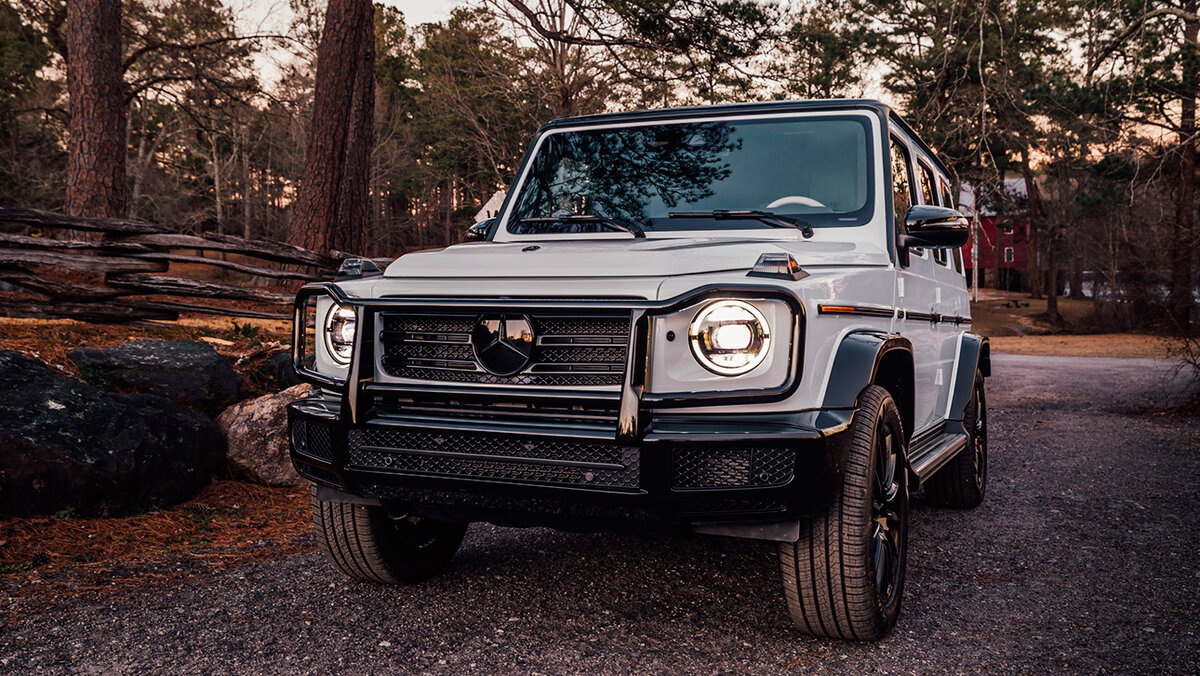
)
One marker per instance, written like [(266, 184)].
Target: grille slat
[(485, 456), (573, 350), (493, 412), (593, 417)]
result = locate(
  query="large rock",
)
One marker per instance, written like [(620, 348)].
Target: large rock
[(187, 372), (256, 435), (280, 368), (65, 445)]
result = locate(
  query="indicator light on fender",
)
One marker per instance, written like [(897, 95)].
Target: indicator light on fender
[(777, 266)]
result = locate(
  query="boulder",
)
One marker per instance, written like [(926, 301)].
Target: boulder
[(66, 445), (187, 372), (256, 435), (280, 368)]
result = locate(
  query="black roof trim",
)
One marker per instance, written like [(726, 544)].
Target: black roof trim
[(920, 144), (759, 107), (720, 110)]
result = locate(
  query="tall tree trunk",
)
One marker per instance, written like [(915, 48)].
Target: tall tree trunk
[(331, 207), (354, 195), (1052, 276), (96, 139), (1034, 215), (247, 213), (139, 171), (1183, 239), (216, 176)]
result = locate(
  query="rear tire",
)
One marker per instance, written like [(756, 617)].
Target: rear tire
[(366, 543), (963, 481), (844, 578)]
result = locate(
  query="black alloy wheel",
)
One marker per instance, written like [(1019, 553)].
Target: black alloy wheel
[(887, 511), (977, 430)]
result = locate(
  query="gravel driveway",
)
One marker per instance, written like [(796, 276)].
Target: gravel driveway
[(1083, 558)]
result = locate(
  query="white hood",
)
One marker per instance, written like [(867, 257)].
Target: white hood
[(654, 257)]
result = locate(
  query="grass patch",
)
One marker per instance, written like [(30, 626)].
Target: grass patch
[(1002, 313)]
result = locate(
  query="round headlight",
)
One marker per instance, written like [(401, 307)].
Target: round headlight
[(340, 323), (729, 337)]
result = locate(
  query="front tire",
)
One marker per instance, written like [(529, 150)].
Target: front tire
[(963, 481), (366, 543), (844, 578)]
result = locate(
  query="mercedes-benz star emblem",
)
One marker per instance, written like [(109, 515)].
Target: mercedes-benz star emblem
[(503, 344)]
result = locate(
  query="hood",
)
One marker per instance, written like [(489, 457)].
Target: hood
[(655, 257)]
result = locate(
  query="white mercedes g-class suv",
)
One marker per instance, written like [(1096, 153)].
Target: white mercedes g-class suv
[(742, 320)]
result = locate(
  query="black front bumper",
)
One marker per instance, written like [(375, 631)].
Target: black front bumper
[(683, 470)]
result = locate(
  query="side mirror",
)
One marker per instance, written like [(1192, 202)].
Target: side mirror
[(932, 227), (479, 231)]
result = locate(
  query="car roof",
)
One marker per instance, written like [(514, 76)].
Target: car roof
[(880, 108)]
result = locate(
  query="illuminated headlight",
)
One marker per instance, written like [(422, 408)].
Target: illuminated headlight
[(729, 337), (340, 323)]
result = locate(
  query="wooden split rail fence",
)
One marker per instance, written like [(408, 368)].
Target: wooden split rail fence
[(106, 278)]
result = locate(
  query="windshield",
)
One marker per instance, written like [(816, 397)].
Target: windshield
[(816, 170)]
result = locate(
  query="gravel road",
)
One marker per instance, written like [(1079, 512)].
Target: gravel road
[(1083, 558)]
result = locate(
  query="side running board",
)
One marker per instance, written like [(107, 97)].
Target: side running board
[(935, 452)]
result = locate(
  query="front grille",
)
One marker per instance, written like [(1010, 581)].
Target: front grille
[(704, 467), (562, 413), (550, 460), (572, 349)]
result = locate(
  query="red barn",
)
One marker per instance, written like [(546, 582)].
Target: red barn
[(1003, 239)]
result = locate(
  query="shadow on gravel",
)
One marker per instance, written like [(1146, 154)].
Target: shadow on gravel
[(711, 582)]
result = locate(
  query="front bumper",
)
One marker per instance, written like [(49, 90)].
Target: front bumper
[(682, 472)]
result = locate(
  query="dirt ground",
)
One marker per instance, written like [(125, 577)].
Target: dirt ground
[(1098, 345), (46, 560)]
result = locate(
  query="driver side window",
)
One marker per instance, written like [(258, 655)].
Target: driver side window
[(901, 184)]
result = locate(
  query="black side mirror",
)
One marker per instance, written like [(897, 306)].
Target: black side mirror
[(479, 231), (932, 227)]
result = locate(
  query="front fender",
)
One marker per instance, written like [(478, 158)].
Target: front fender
[(872, 357)]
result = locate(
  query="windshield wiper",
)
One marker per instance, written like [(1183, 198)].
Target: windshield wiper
[(630, 228), (740, 214)]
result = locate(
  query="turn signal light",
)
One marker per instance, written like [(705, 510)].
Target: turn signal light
[(778, 266)]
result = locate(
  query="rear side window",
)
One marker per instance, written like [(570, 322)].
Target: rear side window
[(901, 186), (928, 191), (947, 200)]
